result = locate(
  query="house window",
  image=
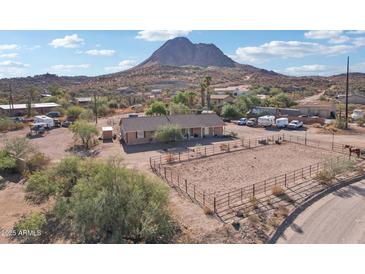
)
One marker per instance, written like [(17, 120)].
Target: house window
[(140, 134)]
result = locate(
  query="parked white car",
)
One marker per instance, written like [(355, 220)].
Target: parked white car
[(357, 114), (266, 121), (281, 122), (295, 124)]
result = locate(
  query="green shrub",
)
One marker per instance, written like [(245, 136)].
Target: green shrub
[(7, 162), (340, 123), (7, 124), (29, 228), (168, 133), (84, 131), (74, 111), (229, 111), (19, 147), (37, 161), (115, 205), (360, 122), (40, 187), (328, 174), (87, 115)]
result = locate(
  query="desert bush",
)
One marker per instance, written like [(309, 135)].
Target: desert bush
[(274, 222), (113, 104), (84, 131), (7, 124), (7, 162), (29, 228), (74, 111), (40, 187), (37, 161), (115, 205), (254, 219), (208, 211), (87, 115), (254, 202), (168, 133), (19, 147), (340, 123), (328, 174), (360, 122), (282, 211), (277, 191)]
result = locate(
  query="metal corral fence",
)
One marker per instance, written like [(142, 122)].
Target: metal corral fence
[(218, 202), (235, 197)]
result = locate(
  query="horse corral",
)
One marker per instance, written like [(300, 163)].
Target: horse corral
[(223, 172)]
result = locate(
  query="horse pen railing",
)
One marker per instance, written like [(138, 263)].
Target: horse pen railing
[(216, 202), (237, 196)]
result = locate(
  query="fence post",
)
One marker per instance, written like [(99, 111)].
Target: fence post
[(214, 205), (203, 197), (205, 148), (241, 194), (228, 198), (171, 176), (253, 190), (164, 170), (265, 187), (179, 156), (186, 186), (188, 155), (310, 171), (194, 191), (178, 180), (249, 143), (285, 180), (228, 147), (302, 173), (160, 158), (151, 163)]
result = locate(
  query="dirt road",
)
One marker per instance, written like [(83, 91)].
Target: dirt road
[(336, 219)]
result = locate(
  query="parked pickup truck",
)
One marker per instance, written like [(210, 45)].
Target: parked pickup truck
[(295, 124)]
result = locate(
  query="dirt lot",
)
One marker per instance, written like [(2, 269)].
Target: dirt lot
[(232, 170)]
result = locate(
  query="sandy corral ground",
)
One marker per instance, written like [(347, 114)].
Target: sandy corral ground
[(226, 171)]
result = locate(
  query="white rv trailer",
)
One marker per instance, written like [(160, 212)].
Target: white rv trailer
[(281, 122), (44, 119), (266, 121)]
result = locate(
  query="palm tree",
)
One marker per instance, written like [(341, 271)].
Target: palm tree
[(207, 81), (191, 95), (202, 93)]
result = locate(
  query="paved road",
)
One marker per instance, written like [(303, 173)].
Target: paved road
[(337, 218)]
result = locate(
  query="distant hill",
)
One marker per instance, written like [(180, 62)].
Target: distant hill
[(181, 51)]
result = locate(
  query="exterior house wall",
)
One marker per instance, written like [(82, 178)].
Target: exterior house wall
[(131, 138)]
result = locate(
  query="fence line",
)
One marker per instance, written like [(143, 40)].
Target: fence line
[(219, 202)]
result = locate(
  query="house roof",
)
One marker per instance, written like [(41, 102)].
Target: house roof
[(24, 106), (152, 123), (219, 96), (83, 99)]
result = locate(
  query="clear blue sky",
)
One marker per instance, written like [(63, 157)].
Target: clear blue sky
[(27, 53)]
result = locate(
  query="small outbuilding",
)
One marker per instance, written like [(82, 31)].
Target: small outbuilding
[(107, 133)]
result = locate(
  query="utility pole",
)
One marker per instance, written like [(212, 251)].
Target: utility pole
[(95, 108), (347, 93), (11, 102)]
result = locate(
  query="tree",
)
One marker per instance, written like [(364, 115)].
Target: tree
[(229, 111), (181, 98), (245, 103), (74, 111), (32, 92), (84, 131), (178, 109), (207, 81), (281, 100), (191, 95), (157, 108), (168, 133), (87, 115), (7, 162)]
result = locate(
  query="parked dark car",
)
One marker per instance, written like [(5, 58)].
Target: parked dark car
[(227, 120), (53, 114), (66, 123)]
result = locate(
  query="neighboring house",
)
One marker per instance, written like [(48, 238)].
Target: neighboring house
[(258, 111), (83, 101), (321, 108), (21, 109), (233, 91), (353, 99), (220, 99), (140, 130)]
